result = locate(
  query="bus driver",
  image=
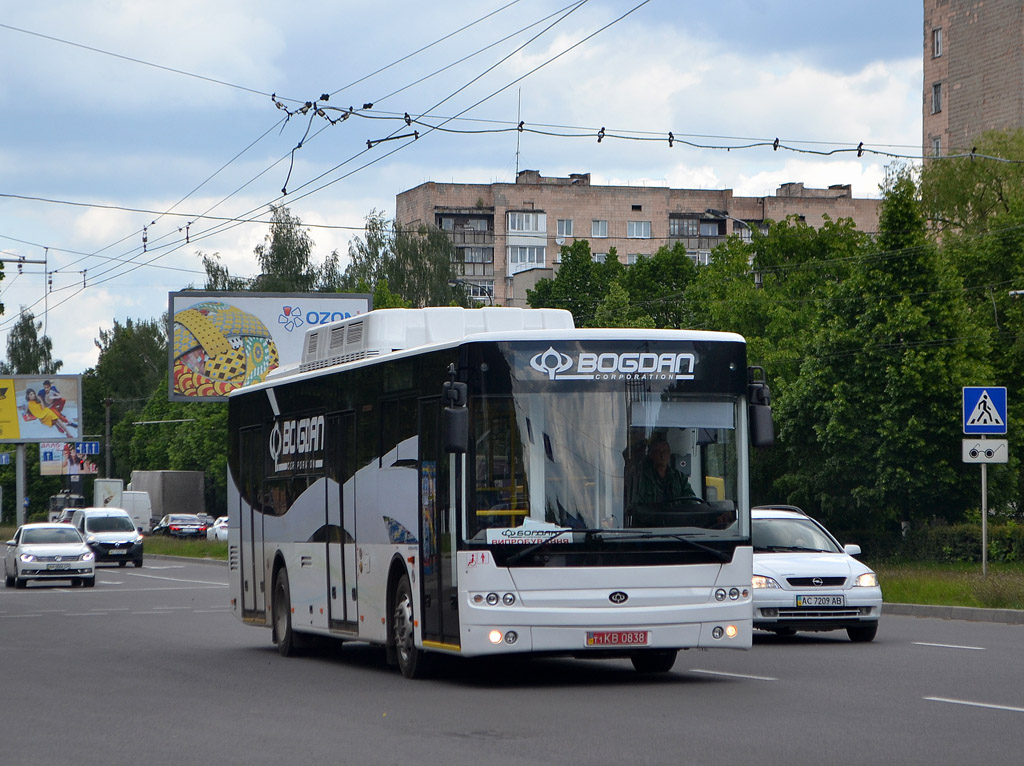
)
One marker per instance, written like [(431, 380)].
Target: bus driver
[(659, 481)]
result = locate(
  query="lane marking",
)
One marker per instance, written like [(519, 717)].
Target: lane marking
[(971, 703), (950, 646), (732, 675), (175, 579), (9, 616)]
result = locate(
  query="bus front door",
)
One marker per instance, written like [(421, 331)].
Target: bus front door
[(254, 605), (437, 530), (341, 524)]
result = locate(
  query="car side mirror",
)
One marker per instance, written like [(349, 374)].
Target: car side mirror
[(851, 549), (12, 542)]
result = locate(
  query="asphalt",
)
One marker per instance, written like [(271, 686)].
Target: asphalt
[(968, 613)]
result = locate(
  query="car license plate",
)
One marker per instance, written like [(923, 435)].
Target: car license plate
[(117, 552), (618, 637), (821, 600), (53, 567)]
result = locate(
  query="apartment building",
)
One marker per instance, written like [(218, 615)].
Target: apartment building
[(973, 71), (511, 234)]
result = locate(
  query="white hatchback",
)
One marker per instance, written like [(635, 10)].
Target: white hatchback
[(49, 551), (805, 580)]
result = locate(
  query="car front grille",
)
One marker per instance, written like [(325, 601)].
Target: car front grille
[(818, 613), (58, 558), (816, 582)]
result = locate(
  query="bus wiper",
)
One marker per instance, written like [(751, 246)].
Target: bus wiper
[(641, 535), (540, 544)]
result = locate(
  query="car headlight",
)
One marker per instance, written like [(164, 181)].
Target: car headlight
[(761, 581), (867, 580), (90, 539), (88, 556), (27, 558)]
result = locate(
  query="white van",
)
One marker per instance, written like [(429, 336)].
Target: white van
[(139, 508), (110, 533)]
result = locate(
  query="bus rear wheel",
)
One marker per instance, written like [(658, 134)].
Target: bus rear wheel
[(653, 660), (284, 636), (411, 661)]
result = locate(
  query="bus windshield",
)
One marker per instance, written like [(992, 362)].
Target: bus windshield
[(608, 461)]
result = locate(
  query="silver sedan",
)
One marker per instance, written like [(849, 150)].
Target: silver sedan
[(48, 551)]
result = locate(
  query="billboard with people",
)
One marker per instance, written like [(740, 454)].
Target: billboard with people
[(40, 408)]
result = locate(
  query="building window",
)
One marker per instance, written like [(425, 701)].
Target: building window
[(447, 223), (599, 257), (741, 230), (476, 224), (700, 257), (936, 147), (936, 42), (478, 254), (683, 227), (564, 227), (638, 229), (481, 291), (711, 228), (525, 222), (520, 256), (936, 98), (599, 228), (632, 258)]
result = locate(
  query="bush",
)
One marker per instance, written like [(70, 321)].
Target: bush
[(962, 543)]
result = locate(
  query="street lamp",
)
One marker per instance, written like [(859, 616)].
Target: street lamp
[(722, 214)]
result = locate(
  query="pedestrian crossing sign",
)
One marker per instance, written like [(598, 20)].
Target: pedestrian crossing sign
[(984, 410)]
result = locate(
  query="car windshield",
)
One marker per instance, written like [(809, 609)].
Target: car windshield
[(109, 524), (59, 536), (790, 535)]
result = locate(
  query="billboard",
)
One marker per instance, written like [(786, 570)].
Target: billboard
[(64, 459), (40, 408), (220, 341)]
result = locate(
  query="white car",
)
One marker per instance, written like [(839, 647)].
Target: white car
[(218, 530), (48, 551), (805, 580)]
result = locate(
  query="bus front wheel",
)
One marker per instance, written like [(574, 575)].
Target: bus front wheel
[(411, 661), (284, 636)]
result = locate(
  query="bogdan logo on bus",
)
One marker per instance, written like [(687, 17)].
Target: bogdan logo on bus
[(297, 437), (611, 366)]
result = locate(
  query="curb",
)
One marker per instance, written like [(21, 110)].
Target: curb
[(969, 613)]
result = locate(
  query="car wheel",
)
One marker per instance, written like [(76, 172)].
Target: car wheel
[(20, 582), (784, 631), (122, 563), (863, 633), (76, 583), (288, 644), (411, 661), (653, 660), (138, 563), (8, 580), (89, 582)]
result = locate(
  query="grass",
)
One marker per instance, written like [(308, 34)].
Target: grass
[(164, 546), (958, 584), (903, 583)]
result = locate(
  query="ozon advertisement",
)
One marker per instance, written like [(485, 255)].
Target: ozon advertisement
[(220, 341)]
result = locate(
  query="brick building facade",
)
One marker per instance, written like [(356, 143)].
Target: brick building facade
[(511, 234), (973, 71)]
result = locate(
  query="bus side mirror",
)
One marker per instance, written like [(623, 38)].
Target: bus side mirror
[(456, 417), (759, 411), (456, 430)]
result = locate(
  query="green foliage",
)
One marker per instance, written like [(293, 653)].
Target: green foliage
[(417, 268), (29, 353), (962, 543), (580, 285)]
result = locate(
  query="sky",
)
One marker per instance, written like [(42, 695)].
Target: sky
[(139, 135)]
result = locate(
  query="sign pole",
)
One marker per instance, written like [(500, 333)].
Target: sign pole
[(984, 519), (19, 485)]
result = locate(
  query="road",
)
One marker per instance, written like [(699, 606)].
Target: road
[(150, 667)]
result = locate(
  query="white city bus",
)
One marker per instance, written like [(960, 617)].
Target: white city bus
[(470, 482)]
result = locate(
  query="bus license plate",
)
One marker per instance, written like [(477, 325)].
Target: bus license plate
[(821, 600), (618, 637)]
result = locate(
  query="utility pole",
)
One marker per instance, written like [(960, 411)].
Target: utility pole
[(108, 401)]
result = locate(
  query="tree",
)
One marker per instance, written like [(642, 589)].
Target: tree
[(580, 284), (285, 260), (29, 353), (419, 268), (869, 420)]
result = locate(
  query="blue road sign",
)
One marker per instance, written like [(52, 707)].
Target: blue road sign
[(87, 448), (5, 458), (984, 410)]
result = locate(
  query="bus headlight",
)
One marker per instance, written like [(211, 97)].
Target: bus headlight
[(492, 599), (495, 637)]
